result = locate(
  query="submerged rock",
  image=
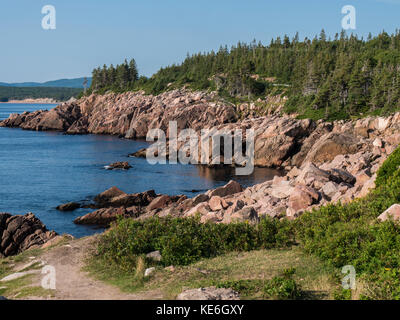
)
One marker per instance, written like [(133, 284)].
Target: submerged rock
[(119, 165)]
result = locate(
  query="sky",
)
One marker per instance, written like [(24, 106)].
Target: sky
[(157, 33)]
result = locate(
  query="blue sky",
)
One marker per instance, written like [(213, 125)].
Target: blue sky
[(160, 32)]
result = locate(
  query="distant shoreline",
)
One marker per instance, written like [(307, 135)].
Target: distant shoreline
[(40, 100)]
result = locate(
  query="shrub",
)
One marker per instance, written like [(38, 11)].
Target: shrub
[(182, 241), (283, 287), (388, 168), (350, 235)]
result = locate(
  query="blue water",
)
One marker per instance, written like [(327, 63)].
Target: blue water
[(40, 170)]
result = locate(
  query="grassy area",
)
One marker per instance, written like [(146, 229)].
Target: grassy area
[(258, 266), (21, 287), (338, 235)]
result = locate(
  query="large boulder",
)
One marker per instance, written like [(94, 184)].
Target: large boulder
[(302, 197), (330, 145), (71, 206), (392, 213), (339, 176), (311, 174), (217, 203), (19, 233), (230, 188), (107, 195), (114, 197), (102, 217), (280, 140)]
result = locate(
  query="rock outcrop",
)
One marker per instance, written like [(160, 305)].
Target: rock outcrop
[(124, 165), (19, 233), (113, 203), (280, 141), (70, 206)]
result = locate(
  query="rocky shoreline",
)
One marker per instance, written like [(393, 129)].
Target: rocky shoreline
[(19, 233), (325, 161)]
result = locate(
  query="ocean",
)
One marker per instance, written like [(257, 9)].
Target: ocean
[(41, 170)]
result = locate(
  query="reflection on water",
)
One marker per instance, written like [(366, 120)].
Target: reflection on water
[(223, 174)]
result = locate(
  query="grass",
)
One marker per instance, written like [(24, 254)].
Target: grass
[(22, 288), (258, 266)]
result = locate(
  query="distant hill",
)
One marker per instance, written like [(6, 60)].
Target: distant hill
[(22, 93), (61, 83)]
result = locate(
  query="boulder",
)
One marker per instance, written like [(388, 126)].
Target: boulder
[(232, 187), (246, 214), (330, 145), (142, 199), (19, 233), (330, 189), (281, 191), (119, 165), (200, 198), (202, 209), (392, 213), (217, 203), (102, 217), (210, 293), (310, 173), (155, 255), (114, 197), (160, 202), (302, 197), (107, 195), (367, 187), (339, 176), (149, 271), (71, 206), (378, 143)]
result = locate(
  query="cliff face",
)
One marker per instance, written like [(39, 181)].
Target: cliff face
[(129, 114), (281, 141)]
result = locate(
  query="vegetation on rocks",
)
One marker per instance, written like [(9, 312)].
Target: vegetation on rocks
[(351, 235), (323, 78)]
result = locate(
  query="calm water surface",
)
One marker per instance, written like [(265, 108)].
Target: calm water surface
[(40, 170)]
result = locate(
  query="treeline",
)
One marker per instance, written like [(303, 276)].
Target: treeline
[(121, 77), (323, 78), (21, 93)]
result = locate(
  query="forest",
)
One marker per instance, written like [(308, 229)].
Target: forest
[(323, 78), (21, 93)]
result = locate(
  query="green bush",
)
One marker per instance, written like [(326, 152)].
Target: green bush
[(182, 241), (388, 168), (283, 287), (350, 234), (342, 294)]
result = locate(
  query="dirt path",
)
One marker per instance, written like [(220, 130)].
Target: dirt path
[(74, 284)]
